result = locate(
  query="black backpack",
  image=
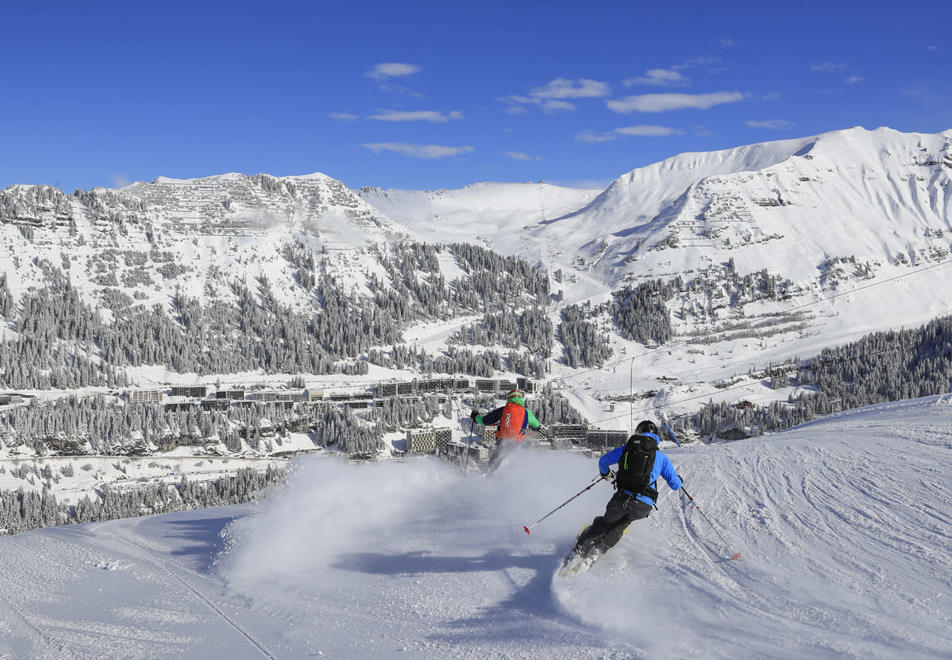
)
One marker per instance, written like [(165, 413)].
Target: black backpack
[(635, 466)]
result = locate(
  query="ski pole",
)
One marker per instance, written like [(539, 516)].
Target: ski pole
[(469, 444), (735, 555), (594, 481), (672, 435)]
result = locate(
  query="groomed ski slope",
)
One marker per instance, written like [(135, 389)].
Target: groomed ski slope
[(844, 526)]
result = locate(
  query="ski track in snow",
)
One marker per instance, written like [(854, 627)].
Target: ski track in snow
[(844, 526)]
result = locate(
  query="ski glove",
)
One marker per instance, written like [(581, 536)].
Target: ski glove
[(473, 415), (609, 477)]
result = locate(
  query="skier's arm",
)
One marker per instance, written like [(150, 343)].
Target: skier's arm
[(667, 471), (609, 459), (490, 418), (533, 422)]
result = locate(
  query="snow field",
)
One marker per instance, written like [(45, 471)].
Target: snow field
[(844, 526), (840, 544)]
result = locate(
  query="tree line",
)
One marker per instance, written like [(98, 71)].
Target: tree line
[(880, 367), (23, 510)]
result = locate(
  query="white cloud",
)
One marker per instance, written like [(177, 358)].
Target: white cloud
[(392, 70), (663, 77), (664, 102), (417, 150), (120, 180), (552, 105), (343, 116), (827, 67), (711, 63), (772, 124), (852, 80), (518, 155), (591, 137), (726, 43), (649, 131), (417, 115), (563, 88), (551, 97)]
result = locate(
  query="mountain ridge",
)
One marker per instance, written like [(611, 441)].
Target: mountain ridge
[(822, 213)]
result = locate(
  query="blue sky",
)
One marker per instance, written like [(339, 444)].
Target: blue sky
[(430, 95)]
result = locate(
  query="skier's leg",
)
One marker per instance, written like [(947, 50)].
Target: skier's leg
[(496, 457), (634, 510), (593, 535)]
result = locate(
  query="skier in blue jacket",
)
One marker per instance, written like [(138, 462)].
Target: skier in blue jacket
[(640, 463)]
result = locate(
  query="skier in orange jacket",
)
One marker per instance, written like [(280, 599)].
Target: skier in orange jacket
[(511, 421)]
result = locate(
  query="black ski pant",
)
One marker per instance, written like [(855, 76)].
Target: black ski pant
[(605, 531)]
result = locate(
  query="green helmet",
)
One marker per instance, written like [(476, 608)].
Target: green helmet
[(515, 396)]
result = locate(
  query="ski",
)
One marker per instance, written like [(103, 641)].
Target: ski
[(575, 563)]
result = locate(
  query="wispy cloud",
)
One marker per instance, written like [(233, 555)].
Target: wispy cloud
[(772, 124), (552, 96), (726, 43), (387, 70), (828, 67), (343, 116), (591, 137), (662, 77), (852, 80), (428, 151), (712, 63), (554, 105), (416, 115), (649, 131), (563, 88), (120, 180), (518, 155), (671, 101)]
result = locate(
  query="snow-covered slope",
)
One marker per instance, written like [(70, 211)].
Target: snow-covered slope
[(843, 525), (875, 194), (495, 214), (195, 236), (825, 214)]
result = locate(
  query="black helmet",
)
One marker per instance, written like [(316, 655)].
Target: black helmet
[(646, 426)]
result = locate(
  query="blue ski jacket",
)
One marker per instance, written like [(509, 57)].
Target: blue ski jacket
[(662, 467)]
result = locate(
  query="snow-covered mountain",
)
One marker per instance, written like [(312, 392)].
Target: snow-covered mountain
[(843, 526), (882, 196), (824, 214), (773, 251), (153, 239)]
